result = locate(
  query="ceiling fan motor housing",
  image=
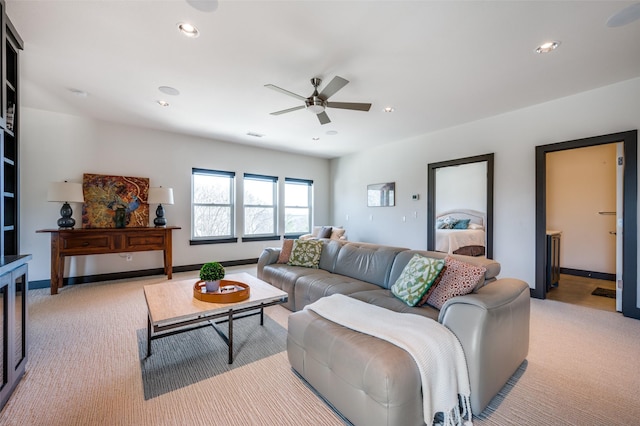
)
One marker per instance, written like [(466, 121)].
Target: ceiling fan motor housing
[(315, 104)]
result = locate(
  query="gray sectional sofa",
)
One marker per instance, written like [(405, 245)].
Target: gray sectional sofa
[(369, 380)]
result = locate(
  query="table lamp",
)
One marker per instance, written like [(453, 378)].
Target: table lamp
[(160, 196), (65, 192)]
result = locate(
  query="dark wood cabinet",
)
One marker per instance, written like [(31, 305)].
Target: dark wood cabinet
[(11, 44), (13, 267), (78, 242), (13, 319)]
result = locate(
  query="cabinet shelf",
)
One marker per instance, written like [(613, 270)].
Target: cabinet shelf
[(11, 44)]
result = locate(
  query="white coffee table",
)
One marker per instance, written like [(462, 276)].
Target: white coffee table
[(173, 308)]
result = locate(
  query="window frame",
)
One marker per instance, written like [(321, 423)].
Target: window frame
[(274, 180), (309, 207), (210, 239)]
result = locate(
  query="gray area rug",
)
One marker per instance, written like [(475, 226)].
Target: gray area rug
[(186, 358)]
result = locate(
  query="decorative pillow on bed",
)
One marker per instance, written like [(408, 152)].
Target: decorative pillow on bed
[(462, 224), (306, 253), (446, 222), (458, 279), (285, 252), (417, 278), (475, 226)]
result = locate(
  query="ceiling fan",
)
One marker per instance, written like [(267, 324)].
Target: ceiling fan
[(317, 102)]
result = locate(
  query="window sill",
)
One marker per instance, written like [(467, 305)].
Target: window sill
[(266, 238), (212, 241)]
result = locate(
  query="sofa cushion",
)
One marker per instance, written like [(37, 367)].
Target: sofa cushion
[(459, 278), (325, 232), (306, 253), (285, 252), (417, 278), (285, 277), (385, 299), (366, 262), (312, 287), (337, 233), (330, 249)]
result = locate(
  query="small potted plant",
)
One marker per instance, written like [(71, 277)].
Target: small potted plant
[(211, 273)]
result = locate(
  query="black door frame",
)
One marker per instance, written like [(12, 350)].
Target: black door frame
[(629, 213)]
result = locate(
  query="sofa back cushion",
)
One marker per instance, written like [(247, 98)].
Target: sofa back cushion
[(367, 262), (330, 249), (493, 267)]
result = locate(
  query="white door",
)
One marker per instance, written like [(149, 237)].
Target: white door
[(619, 230)]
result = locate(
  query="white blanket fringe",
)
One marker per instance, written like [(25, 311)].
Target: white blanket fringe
[(435, 349)]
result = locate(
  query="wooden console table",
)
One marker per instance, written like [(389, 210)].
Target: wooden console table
[(78, 242)]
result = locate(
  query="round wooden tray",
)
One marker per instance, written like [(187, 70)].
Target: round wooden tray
[(217, 297)]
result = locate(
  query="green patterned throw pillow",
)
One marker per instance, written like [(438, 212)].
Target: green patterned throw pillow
[(306, 253), (417, 278)]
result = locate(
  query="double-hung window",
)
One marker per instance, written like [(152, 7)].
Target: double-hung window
[(212, 205), (260, 206), (298, 197)]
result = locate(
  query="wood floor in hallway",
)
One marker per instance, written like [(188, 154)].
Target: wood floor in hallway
[(577, 291)]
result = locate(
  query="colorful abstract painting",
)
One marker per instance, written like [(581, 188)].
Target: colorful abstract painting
[(104, 194)]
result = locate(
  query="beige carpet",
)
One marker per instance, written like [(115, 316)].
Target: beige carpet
[(84, 369)]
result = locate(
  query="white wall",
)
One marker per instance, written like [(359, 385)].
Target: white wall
[(512, 137), (56, 147), (580, 184), (461, 187)]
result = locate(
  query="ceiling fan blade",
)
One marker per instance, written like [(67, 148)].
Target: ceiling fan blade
[(284, 111), (286, 92), (349, 105), (334, 85), (324, 118)]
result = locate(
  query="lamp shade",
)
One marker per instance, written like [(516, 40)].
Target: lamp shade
[(65, 192), (160, 195)]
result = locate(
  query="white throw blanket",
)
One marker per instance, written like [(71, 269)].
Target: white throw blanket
[(436, 350)]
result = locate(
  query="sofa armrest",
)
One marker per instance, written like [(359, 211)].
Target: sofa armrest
[(492, 325), (268, 256)]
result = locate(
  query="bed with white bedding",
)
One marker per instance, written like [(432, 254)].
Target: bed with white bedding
[(461, 232)]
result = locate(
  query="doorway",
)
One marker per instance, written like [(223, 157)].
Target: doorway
[(581, 220), (629, 214)]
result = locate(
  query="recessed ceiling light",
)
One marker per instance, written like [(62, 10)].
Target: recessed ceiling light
[(547, 47), (389, 109), (169, 90), (315, 139), (332, 132), (163, 103), (188, 29)]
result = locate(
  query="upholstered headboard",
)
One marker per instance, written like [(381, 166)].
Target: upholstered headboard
[(474, 216)]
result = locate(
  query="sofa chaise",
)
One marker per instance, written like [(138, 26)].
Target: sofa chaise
[(368, 380)]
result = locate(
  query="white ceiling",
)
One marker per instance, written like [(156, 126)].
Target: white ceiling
[(438, 63)]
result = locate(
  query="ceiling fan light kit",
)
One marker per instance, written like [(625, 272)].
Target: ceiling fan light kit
[(318, 102)]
